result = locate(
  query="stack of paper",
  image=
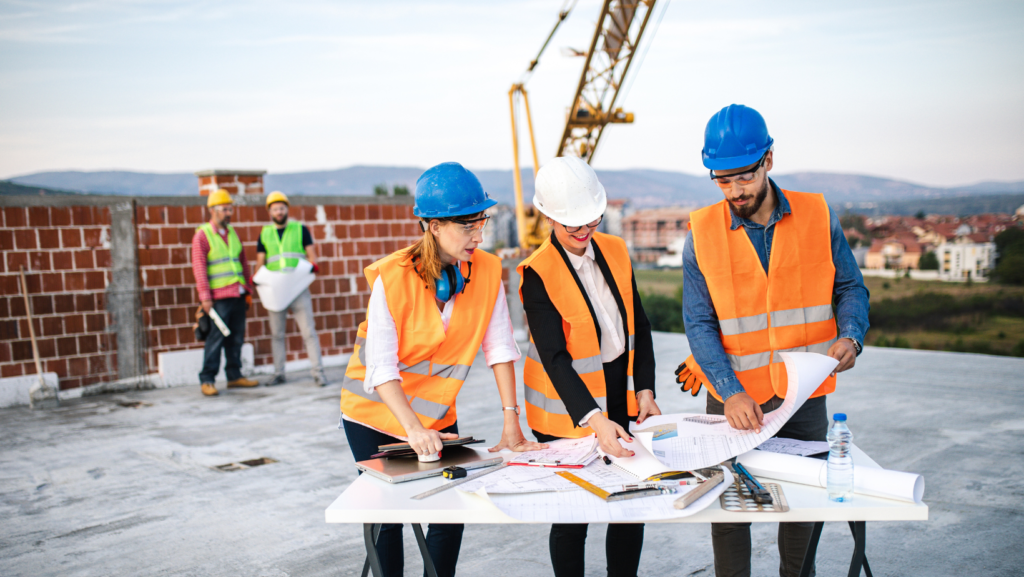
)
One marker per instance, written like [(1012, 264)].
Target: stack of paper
[(563, 453)]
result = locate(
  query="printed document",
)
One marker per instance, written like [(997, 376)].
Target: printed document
[(277, 290)]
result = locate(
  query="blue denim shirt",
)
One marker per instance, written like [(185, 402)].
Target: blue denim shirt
[(699, 316)]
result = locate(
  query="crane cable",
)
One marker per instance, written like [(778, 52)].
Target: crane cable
[(636, 70)]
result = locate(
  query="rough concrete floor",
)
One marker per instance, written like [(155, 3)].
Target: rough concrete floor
[(95, 488)]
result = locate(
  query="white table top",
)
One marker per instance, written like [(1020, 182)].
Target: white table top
[(371, 500)]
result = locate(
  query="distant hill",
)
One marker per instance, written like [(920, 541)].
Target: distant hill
[(8, 188), (646, 188), (954, 205)]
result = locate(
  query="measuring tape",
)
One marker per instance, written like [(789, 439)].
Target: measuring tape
[(458, 482)]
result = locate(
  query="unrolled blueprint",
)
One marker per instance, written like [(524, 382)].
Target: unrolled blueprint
[(277, 290), (515, 480), (700, 441)]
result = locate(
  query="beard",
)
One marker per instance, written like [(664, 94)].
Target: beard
[(281, 220), (226, 220), (750, 209)]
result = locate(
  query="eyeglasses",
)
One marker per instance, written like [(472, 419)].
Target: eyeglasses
[(471, 227), (572, 229), (742, 178)]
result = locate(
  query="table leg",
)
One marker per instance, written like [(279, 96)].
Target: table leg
[(370, 533), (812, 550), (428, 563), (859, 530)]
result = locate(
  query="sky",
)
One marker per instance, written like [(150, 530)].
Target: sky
[(928, 92)]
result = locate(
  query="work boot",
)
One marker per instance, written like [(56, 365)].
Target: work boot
[(277, 380), (321, 380), (243, 383), (209, 390)]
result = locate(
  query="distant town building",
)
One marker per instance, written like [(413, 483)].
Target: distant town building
[(618, 208), (500, 231), (674, 257), (648, 233), (966, 260), (895, 253)]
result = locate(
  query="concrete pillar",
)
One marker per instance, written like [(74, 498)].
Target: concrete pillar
[(123, 302)]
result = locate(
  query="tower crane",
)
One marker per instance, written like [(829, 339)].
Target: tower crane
[(616, 37)]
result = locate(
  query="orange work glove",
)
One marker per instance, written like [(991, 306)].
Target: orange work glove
[(688, 379)]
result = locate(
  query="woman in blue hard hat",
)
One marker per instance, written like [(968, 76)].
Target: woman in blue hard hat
[(432, 306), (590, 368)]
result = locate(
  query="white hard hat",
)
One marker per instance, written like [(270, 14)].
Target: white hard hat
[(567, 191)]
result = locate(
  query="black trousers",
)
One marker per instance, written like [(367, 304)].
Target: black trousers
[(232, 312), (443, 540), (731, 541), (624, 541)]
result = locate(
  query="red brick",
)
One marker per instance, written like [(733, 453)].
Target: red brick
[(175, 215), (186, 335), (98, 364), (60, 216), (185, 235), (84, 260), (71, 237), (154, 278), (39, 260), (95, 281), (25, 239), (359, 212), (147, 237), (34, 282), (180, 255), (62, 260), (159, 317), (66, 384), (4, 310), (83, 303), (52, 326), (155, 214), (190, 278), (180, 316), (10, 371), (102, 258), (374, 212), (39, 216), (345, 212), (42, 305), (388, 212), (165, 297), (148, 299), (168, 337), (194, 214), (59, 366), (144, 255), (82, 215), (95, 323), (53, 283), (78, 366), (382, 229), (74, 324), (74, 281), (92, 236), (169, 235), (173, 276), (6, 240), (67, 346), (47, 348), (15, 216), (160, 256), (88, 344), (21, 350), (186, 296)]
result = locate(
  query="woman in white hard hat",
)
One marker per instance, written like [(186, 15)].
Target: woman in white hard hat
[(432, 305), (590, 367)]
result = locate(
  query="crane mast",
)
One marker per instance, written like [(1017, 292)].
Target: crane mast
[(613, 45)]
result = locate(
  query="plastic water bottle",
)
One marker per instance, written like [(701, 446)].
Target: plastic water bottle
[(840, 461)]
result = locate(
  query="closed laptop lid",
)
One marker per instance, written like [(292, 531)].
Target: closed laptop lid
[(401, 469)]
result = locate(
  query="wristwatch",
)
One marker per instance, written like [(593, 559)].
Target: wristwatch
[(515, 408), (856, 345)]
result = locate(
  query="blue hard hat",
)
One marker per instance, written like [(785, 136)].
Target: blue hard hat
[(735, 137), (447, 190)]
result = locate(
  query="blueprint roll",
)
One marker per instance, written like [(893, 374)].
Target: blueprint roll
[(277, 289), (870, 481)]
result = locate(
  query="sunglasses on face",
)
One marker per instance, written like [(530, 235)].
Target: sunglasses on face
[(471, 227), (741, 178)]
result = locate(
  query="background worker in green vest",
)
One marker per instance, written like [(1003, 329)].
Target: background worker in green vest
[(280, 247), (220, 269)]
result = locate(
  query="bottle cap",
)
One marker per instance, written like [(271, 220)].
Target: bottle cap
[(839, 417)]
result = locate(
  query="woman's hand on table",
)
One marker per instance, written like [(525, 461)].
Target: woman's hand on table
[(512, 438), (608, 434)]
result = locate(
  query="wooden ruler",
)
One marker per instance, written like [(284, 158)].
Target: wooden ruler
[(580, 482), (699, 491)]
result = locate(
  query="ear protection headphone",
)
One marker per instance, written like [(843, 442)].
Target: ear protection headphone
[(451, 282)]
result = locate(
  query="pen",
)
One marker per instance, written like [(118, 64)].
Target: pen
[(607, 461), (544, 462)]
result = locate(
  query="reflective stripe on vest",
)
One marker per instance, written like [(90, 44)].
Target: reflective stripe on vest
[(433, 364), (545, 411), (223, 262), (285, 251), (761, 315)]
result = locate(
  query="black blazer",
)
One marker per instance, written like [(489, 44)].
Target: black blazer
[(546, 328)]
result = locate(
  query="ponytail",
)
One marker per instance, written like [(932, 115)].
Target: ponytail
[(426, 256)]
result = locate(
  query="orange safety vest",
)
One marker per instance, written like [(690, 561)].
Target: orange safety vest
[(545, 411), (761, 315), (433, 364)]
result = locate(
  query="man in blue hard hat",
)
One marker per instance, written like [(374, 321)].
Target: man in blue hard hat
[(743, 307)]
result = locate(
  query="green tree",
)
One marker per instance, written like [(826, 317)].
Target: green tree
[(1010, 245), (665, 313), (854, 221), (929, 261), (401, 190), (380, 190), (920, 215)]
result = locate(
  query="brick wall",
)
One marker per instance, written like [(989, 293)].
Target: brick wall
[(66, 254), (66, 251)]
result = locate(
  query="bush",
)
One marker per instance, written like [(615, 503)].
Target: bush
[(881, 341), (901, 343), (937, 311), (929, 261), (665, 313), (1018, 349), (1010, 269)]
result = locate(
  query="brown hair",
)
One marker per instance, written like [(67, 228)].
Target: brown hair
[(426, 256)]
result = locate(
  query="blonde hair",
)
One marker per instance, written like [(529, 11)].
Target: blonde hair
[(426, 256)]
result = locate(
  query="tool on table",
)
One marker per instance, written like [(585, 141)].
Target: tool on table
[(219, 322), (454, 472), (647, 490), (757, 490), (457, 481), (700, 490), (737, 499)]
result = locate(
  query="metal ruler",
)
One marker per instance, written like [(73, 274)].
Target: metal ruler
[(458, 482)]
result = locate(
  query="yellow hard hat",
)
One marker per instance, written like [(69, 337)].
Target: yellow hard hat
[(276, 196), (218, 198)]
